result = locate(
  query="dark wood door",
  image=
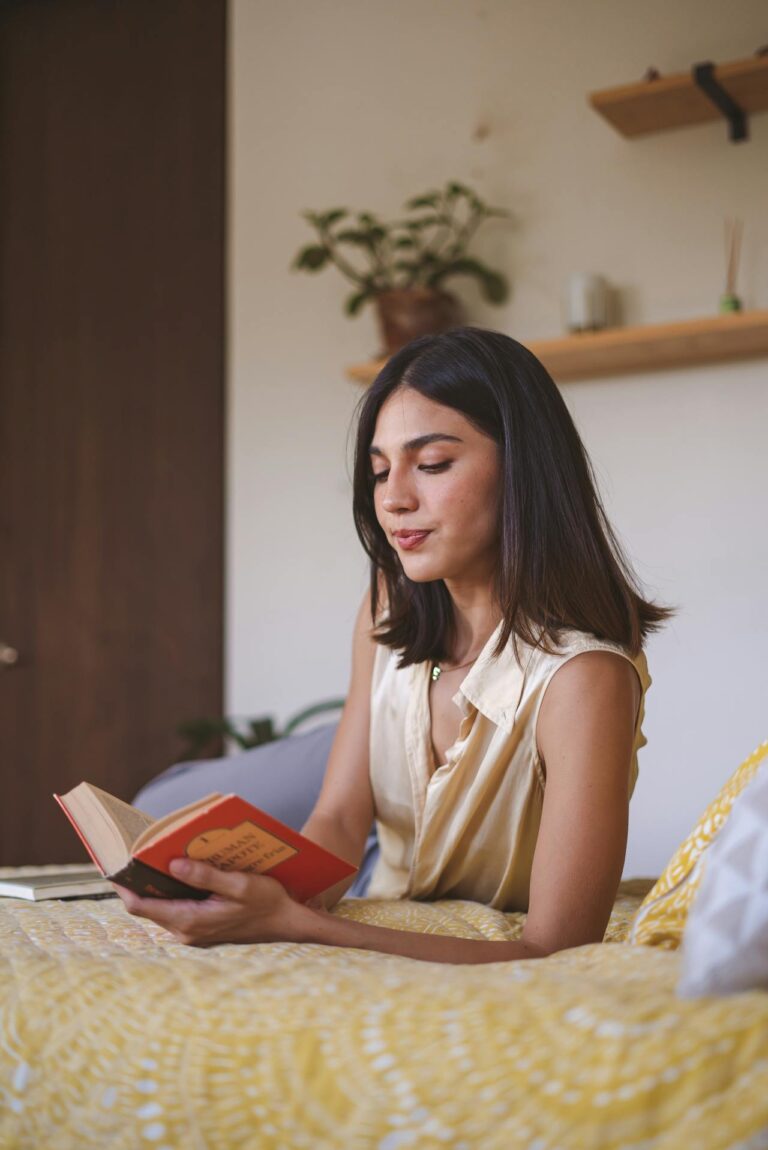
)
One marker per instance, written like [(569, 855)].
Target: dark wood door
[(112, 226)]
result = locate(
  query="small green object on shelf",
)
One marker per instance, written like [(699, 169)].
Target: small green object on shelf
[(729, 302)]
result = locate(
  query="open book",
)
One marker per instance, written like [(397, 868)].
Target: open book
[(134, 850)]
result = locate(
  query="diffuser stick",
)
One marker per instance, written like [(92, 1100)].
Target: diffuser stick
[(733, 233)]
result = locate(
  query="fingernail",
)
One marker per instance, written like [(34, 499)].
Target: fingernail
[(179, 866)]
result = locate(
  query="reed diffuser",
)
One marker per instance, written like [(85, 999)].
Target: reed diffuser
[(730, 301)]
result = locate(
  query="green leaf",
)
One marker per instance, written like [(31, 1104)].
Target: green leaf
[(405, 265), (203, 734), (329, 218), (312, 258), (325, 219), (430, 259), (261, 731), (422, 222), (463, 265), (493, 285), (355, 236), (404, 242), (428, 200), (361, 238), (455, 189), (354, 302)]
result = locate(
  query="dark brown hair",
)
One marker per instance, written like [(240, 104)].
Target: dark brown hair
[(560, 564)]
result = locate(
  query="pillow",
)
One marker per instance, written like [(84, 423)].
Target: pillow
[(282, 777), (725, 942), (660, 921)]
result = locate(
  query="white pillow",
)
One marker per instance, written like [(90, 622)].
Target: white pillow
[(725, 942)]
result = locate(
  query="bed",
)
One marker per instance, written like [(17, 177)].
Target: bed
[(114, 1036)]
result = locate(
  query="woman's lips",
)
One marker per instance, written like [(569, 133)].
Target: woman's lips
[(410, 539)]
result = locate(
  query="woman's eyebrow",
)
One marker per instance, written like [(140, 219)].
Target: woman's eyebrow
[(420, 441)]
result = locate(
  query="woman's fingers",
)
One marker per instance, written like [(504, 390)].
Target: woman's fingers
[(128, 897), (174, 914), (227, 884), (135, 904), (244, 908)]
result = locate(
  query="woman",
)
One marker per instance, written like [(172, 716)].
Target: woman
[(496, 699)]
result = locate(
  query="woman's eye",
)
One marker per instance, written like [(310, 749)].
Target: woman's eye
[(436, 466), (431, 468)]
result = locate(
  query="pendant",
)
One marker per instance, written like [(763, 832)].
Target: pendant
[(436, 673)]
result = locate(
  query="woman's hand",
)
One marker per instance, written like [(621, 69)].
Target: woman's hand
[(242, 907)]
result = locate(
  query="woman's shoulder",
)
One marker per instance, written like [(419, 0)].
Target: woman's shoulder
[(571, 642)]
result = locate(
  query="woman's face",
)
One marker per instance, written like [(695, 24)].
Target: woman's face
[(436, 489)]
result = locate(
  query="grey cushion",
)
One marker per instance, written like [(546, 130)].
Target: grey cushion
[(725, 943), (282, 777)]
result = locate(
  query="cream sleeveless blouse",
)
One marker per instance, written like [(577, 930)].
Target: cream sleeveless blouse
[(468, 829)]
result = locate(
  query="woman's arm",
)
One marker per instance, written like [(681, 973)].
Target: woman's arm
[(343, 814), (586, 733)]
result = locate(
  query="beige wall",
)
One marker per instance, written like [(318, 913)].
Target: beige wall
[(362, 104)]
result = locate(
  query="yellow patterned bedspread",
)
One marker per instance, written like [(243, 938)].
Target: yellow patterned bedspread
[(115, 1037)]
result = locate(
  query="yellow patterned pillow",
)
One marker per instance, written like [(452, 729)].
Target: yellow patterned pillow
[(660, 921)]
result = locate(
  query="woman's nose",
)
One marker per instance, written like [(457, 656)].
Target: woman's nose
[(398, 494)]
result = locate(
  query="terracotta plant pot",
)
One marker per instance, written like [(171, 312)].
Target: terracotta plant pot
[(406, 313)]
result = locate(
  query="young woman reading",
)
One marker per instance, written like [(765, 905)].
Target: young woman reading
[(496, 699)]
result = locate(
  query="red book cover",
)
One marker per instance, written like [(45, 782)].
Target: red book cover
[(232, 834)]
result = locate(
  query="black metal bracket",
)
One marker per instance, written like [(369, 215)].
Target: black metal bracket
[(704, 78)]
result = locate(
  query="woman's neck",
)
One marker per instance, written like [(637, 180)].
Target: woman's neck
[(475, 620)]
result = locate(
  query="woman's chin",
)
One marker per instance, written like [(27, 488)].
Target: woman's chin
[(421, 572)]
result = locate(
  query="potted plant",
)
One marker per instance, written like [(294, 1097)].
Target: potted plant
[(401, 266), (204, 736)]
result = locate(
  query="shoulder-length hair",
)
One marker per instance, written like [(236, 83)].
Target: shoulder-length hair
[(560, 564)]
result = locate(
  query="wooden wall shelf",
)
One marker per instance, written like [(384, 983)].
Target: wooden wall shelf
[(676, 101), (617, 351)]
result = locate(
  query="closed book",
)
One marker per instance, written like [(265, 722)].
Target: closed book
[(35, 885)]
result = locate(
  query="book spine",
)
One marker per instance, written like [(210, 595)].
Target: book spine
[(146, 881)]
